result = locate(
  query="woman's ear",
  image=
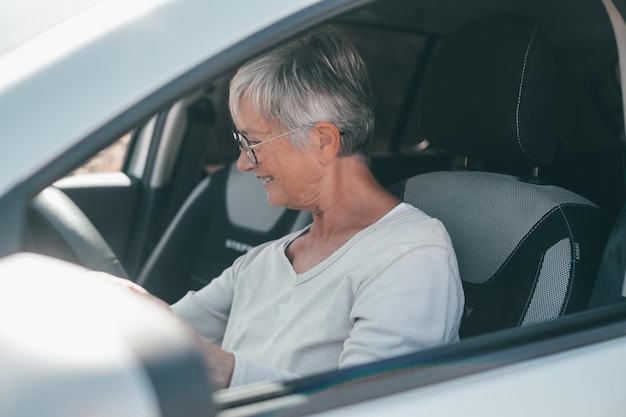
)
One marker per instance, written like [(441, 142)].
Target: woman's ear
[(327, 141)]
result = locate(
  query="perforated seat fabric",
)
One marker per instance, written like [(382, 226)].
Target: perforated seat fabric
[(225, 216), (527, 252)]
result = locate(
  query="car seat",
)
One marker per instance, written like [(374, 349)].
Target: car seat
[(225, 215), (528, 251)]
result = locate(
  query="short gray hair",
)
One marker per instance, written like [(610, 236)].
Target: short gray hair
[(317, 77)]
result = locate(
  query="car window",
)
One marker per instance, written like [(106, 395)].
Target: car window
[(109, 159)]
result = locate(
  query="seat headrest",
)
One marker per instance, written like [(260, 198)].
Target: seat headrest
[(490, 92)]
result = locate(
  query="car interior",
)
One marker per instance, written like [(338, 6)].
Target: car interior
[(538, 244), (503, 119)]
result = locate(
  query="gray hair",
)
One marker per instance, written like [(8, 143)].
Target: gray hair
[(317, 77)]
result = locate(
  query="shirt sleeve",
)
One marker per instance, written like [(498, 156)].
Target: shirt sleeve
[(206, 311), (413, 303)]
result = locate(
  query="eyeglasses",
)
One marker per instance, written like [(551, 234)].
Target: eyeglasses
[(244, 143)]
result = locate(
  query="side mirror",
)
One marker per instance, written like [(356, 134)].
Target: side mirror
[(72, 344)]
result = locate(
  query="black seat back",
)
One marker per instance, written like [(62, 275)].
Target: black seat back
[(225, 216), (527, 251)]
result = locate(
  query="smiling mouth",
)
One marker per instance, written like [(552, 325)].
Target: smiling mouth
[(267, 180)]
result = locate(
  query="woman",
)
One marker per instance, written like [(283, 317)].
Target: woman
[(371, 277)]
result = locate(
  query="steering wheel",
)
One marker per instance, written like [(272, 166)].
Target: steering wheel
[(58, 228)]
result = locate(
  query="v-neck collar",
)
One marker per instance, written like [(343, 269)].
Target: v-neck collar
[(297, 279)]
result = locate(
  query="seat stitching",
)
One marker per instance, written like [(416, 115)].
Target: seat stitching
[(521, 87), (573, 267), (532, 291), (521, 242), (573, 262)]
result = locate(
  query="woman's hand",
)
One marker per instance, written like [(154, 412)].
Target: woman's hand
[(220, 362), (129, 285)]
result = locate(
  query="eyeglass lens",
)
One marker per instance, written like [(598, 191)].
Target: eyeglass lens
[(244, 144)]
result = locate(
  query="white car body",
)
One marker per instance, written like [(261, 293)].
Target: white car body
[(95, 74), (90, 68)]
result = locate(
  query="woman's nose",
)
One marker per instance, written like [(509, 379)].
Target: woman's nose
[(243, 162)]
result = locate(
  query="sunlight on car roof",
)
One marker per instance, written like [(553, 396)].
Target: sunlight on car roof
[(67, 35), (23, 20)]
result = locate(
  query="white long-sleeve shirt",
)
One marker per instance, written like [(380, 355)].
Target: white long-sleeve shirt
[(393, 288)]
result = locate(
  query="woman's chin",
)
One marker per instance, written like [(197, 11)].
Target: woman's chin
[(276, 199)]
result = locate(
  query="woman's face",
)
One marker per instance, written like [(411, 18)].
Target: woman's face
[(289, 175)]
